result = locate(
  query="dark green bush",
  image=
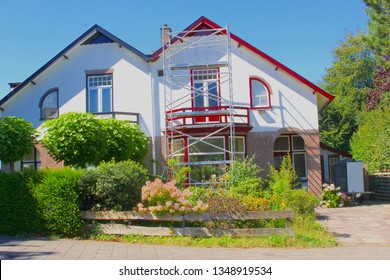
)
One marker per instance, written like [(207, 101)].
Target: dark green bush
[(43, 202), (58, 201), (18, 209), (113, 186)]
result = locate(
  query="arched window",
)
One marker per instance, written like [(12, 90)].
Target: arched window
[(49, 104), (260, 93)]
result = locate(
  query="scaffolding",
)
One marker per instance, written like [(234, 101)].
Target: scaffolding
[(198, 96)]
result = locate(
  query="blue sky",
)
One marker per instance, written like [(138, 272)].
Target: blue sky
[(299, 33)]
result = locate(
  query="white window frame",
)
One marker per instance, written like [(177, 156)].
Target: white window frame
[(49, 112), (194, 140), (257, 97), (99, 83)]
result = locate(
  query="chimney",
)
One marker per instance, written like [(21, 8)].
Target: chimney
[(165, 34)]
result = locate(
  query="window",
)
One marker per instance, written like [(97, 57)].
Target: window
[(49, 104), (205, 93), (239, 146), (207, 158), (294, 146), (32, 160), (260, 94), (100, 93)]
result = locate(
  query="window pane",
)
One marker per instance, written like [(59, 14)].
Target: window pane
[(239, 144), (300, 164), (281, 144), (30, 156), (204, 147), (198, 99), (213, 94), (259, 94), (203, 173), (298, 143), (50, 100), (178, 146), (106, 100), (93, 101), (207, 157), (278, 161), (49, 113)]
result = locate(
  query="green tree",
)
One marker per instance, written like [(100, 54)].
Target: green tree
[(349, 79), (124, 141), (75, 138), (371, 142), (17, 138), (81, 139), (378, 35)]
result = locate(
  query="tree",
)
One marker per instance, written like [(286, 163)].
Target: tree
[(378, 36), (81, 139), (371, 142), (75, 138), (349, 79), (124, 141), (17, 138)]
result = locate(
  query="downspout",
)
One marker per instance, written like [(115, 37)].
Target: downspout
[(153, 120), (1, 110)]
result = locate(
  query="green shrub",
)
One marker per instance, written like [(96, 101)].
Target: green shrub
[(301, 202), (18, 209), (40, 202), (241, 170), (281, 180), (251, 186), (113, 186), (58, 201)]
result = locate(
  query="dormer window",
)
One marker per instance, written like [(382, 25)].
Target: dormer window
[(260, 93), (49, 104)]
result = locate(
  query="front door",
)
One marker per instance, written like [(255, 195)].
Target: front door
[(205, 94)]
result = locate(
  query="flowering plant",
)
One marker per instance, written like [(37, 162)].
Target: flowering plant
[(160, 198), (333, 197)]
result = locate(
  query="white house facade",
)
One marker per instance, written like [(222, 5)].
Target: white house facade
[(198, 101)]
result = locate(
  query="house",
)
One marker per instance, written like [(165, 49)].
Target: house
[(204, 98)]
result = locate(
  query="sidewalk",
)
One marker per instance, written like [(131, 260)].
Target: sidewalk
[(64, 249)]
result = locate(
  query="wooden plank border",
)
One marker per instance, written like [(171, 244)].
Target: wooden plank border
[(187, 231), (120, 229), (230, 216)]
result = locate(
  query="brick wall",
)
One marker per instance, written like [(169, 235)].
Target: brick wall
[(261, 144)]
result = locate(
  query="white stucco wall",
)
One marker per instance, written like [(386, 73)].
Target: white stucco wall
[(293, 103), (131, 84)]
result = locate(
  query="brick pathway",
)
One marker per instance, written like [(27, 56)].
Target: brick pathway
[(368, 223)]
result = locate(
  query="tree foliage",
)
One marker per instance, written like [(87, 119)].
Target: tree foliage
[(378, 36), (124, 141), (81, 139), (17, 138), (75, 138), (371, 142), (349, 79)]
